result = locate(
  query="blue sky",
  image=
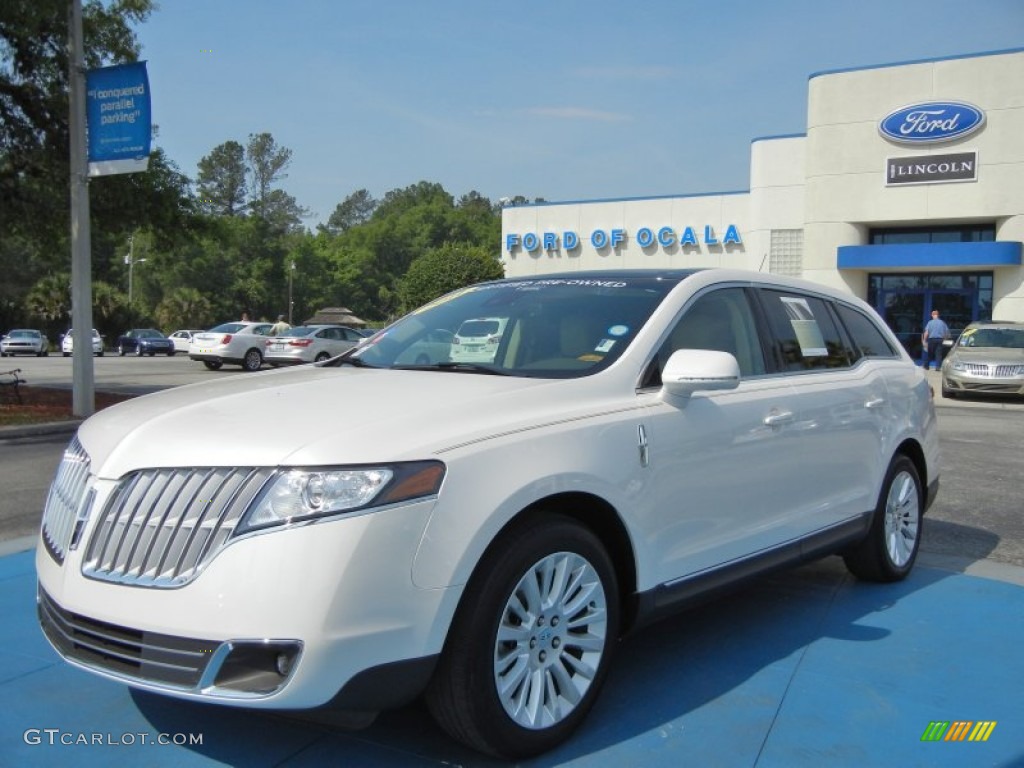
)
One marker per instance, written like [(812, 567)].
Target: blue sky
[(564, 99)]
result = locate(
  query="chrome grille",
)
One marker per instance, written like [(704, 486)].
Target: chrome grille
[(983, 370), (160, 526), (68, 502)]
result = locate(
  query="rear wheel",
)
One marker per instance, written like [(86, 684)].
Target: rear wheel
[(213, 365), (120, 349), (252, 360), (890, 548), (530, 645), (138, 350), (321, 357)]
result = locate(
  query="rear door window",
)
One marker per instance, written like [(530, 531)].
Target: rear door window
[(868, 339), (804, 335)]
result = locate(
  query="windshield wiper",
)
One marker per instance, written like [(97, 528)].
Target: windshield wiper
[(463, 368), (348, 360)]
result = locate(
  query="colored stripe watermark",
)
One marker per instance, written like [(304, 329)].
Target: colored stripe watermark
[(958, 730)]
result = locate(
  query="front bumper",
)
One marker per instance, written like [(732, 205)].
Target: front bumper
[(972, 383), (336, 598)]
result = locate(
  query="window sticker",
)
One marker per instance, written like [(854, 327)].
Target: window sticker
[(618, 330), (808, 334), (604, 346)]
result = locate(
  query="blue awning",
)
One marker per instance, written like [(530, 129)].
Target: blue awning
[(925, 255)]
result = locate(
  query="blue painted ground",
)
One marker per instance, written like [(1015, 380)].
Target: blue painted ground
[(807, 668)]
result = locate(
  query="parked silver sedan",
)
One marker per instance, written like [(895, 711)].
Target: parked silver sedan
[(24, 341), (309, 344), (987, 359)]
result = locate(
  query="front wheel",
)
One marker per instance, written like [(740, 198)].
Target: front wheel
[(890, 548), (530, 645), (252, 360)]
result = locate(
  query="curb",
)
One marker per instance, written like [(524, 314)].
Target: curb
[(37, 430)]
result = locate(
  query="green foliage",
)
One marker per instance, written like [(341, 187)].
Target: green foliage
[(444, 269), (221, 181)]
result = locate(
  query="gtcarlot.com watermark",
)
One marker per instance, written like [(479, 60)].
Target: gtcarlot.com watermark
[(55, 736)]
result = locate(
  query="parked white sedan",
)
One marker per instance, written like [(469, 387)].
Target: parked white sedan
[(238, 343), (182, 339), (67, 343), (366, 531)]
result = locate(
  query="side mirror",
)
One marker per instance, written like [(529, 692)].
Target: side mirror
[(699, 370)]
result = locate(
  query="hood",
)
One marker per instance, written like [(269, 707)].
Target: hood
[(315, 416), (989, 355)]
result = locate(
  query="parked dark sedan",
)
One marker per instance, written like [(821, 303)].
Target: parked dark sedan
[(144, 341)]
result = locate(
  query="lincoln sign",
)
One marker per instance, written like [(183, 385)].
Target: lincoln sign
[(931, 169)]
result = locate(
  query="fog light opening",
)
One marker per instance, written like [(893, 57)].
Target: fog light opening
[(257, 667)]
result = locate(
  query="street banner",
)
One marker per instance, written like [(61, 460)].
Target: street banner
[(118, 118)]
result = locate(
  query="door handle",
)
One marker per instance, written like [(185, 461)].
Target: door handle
[(875, 402), (778, 418)]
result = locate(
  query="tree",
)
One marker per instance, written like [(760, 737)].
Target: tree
[(184, 307), (267, 162), (444, 269), (354, 209), (221, 181)]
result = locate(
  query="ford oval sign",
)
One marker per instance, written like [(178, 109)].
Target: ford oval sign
[(932, 122)]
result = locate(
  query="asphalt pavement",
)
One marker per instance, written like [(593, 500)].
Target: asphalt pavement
[(808, 667)]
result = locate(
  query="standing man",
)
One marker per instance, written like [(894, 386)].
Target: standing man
[(280, 326), (935, 332)]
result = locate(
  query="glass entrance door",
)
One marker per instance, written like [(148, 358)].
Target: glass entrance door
[(904, 312), (955, 307)]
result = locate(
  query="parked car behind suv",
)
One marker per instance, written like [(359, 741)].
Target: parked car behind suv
[(144, 341), (67, 343), (24, 341), (482, 533), (309, 344), (182, 338), (238, 343), (987, 359)]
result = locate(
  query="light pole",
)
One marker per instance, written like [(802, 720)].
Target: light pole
[(291, 304), (131, 261)]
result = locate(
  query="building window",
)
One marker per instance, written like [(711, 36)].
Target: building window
[(786, 254), (970, 233)]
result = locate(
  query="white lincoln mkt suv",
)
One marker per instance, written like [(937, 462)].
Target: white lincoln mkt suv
[(483, 532)]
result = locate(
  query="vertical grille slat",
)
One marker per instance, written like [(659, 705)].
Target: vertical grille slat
[(67, 502), (160, 526)]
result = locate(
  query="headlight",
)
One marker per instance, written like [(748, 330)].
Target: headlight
[(957, 365), (299, 494)]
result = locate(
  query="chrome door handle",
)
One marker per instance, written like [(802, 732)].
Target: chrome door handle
[(777, 418), (876, 402)]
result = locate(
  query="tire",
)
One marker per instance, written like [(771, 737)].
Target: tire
[(172, 352), (422, 359), (889, 550), (488, 645), (321, 357), (213, 365), (252, 360), (120, 349), (138, 350), (100, 353), (66, 354)]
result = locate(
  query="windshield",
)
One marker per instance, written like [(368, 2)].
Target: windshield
[(228, 328), (559, 327), (1006, 338)]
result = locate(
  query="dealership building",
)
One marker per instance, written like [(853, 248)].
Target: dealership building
[(907, 190)]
